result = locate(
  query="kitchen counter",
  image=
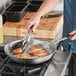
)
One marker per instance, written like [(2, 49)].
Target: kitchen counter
[(59, 64)]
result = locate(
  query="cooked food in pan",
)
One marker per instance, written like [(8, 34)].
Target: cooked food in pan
[(38, 51), (17, 50), (41, 53), (22, 55), (34, 52), (34, 49)]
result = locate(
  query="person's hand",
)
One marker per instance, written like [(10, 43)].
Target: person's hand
[(33, 21), (74, 35)]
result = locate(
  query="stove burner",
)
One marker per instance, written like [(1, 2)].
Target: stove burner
[(9, 67), (7, 71), (3, 57)]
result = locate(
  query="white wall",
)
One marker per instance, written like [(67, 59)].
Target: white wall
[(59, 6)]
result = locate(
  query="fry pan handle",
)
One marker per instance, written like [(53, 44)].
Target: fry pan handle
[(64, 38), (70, 36)]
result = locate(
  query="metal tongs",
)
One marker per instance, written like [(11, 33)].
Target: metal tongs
[(26, 41)]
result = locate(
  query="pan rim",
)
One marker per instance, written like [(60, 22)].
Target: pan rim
[(10, 55)]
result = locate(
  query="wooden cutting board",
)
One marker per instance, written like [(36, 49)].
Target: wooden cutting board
[(48, 27)]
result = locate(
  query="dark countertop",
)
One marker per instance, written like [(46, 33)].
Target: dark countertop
[(59, 64)]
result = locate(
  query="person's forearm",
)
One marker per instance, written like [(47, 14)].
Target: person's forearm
[(46, 7)]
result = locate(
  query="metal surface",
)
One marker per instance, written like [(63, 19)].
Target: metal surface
[(34, 42), (61, 60), (59, 64), (50, 47)]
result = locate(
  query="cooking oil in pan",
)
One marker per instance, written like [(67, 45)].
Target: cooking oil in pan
[(1, 30)]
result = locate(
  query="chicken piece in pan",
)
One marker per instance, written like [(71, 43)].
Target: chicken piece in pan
[(17, 50), (22, 55), (41, 53), (38, 51), (34, 49)]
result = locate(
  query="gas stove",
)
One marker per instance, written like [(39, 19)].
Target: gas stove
[(9, 67)]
